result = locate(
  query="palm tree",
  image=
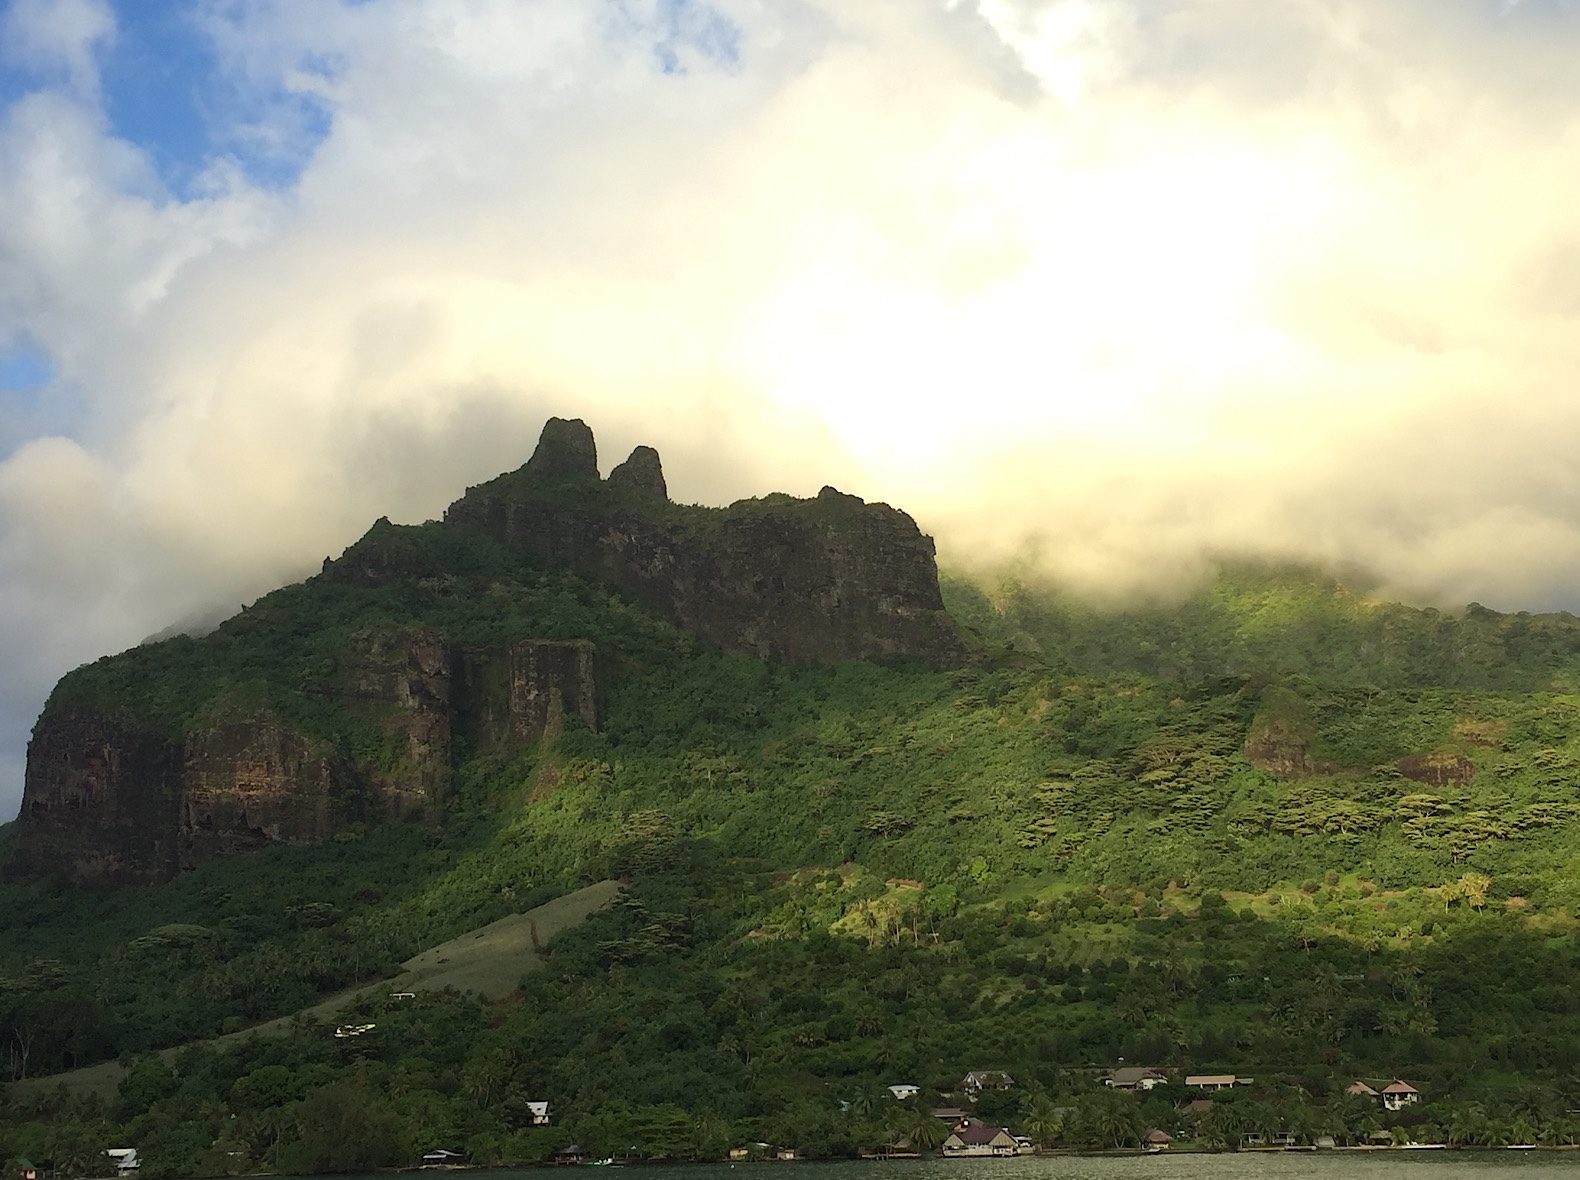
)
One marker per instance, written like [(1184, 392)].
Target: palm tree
[(1118, 1125), (1044, 1121), (1464, 1126), (924, 1131)]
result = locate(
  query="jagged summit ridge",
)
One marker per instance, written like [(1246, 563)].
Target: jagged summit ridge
[(373, 724), (827, 579)]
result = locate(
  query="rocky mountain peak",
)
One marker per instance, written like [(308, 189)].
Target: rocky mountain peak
[(565, 453), (641, 474)]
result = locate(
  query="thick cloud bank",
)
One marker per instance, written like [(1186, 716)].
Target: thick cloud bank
[(1136, 281)]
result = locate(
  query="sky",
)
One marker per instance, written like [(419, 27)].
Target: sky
[(1122, 284)]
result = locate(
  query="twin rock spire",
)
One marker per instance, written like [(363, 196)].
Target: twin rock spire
[(566, 453)]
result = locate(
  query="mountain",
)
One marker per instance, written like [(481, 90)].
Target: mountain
[(265, 731), (870, 826)]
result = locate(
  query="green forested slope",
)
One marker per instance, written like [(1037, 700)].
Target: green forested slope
[(1277, 830)]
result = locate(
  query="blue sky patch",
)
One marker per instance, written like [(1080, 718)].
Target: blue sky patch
[(164, 90), (24, 369)]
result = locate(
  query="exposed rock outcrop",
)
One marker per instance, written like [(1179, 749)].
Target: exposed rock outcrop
[(515, 696), (641, 475), (108, 799), (101, 801), (1438, 770), (375, 731), (816, 580), (1281, 737), (254, 780)]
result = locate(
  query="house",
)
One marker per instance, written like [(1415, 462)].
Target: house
[(442, 1157), (1198, 1107), (403, 995), (904, 1091), (28, 1170), (985, 1079), (125, 1160), (1135, 1077), (740, 1154), (952, 1115), (539, 1112), (1215, 1081), (1362, 1089), (354, 1030), (571, 1155), (980, 1139), (1397, 1095), (785, 1153), (1156, 1139)]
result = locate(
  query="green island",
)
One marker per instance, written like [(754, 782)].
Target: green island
[(1221, 874)]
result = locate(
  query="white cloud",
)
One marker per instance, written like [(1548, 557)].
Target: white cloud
[(58, 37), (1140, 281)]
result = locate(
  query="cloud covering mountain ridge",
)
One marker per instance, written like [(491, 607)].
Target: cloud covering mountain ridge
[(1136, 283)]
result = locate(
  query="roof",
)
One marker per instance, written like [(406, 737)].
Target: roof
[(1360, 1087), (1211, 1079), (949, 1112), (569, 1148), (1128, 1075), (1158, 1136), (538, 1107), (1199, 1105), (1400, 1088), (978, 1133), (984, 1076)]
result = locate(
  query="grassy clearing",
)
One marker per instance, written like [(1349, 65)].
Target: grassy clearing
[(490, 961)]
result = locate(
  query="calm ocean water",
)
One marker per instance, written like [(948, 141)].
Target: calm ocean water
[(1408, 1165)]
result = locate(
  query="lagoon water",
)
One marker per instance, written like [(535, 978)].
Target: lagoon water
[(1343, 1165)]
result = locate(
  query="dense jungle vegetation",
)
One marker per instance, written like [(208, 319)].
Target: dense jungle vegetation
[(1277, 830)]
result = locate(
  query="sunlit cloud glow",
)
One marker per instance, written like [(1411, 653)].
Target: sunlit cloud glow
[(1131, 284)]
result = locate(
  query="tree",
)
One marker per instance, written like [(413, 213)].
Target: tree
[(344, 1128), (1044, 1121)]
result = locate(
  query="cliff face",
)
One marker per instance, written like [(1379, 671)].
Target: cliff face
[(114, 800), (112, 795), (252, 781), (827, 579), (102, 800)]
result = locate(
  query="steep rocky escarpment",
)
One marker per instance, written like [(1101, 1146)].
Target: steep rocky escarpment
[(826, 579), (353, 697), (102, 800), (113, 797), (252, 780)]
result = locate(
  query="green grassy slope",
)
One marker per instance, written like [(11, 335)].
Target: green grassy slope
[(1277, 829), (490, 962)]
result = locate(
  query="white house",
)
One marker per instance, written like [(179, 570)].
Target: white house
[(1397, 1095), (904, 1091), (1215, 1081), (124, 1158), (540, 1113)]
